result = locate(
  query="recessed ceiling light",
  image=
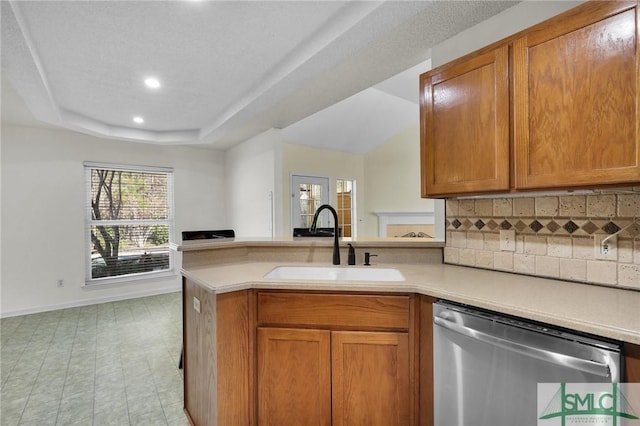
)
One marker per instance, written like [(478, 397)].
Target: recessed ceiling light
[(152, 82), (138, 120)]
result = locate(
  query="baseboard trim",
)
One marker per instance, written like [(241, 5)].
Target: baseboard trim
[(92, 301)]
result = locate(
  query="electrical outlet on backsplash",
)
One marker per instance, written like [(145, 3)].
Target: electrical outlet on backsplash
[(555, 235)]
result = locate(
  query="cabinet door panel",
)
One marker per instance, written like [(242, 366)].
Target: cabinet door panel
[(294, 377), (576, 110), (370, 378), (199, 350), (234, 358), (465, 126)]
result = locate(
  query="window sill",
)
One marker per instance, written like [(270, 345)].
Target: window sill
[(129, 279)]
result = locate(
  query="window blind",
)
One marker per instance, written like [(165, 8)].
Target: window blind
[(129, 216)]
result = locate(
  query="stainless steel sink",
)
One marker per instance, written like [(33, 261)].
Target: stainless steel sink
[(328, 273)]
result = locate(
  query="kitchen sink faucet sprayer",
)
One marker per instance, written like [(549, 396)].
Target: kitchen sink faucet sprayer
[(314, 225)]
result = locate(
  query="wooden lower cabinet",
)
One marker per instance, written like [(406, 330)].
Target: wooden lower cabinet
[(424, 354), (632, 363), (294, 377), (340, 378), (337, 359), (199, 350), (246, 362), (370, 378), (218, 356)]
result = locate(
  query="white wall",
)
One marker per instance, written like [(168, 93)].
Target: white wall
[(250, 174), (43, 212), (392, 173)]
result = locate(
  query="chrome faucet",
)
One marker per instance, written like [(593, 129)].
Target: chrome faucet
[(314, 225)]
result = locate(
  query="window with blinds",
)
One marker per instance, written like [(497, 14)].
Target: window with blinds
[(129, 221)]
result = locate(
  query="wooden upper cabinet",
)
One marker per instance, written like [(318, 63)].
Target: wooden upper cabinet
[(464, 109), (576, 103), (565, 91)]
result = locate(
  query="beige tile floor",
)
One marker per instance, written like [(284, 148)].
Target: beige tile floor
[(108, 364)]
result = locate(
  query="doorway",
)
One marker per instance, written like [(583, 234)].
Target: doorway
[(307, 194), (345, 194)]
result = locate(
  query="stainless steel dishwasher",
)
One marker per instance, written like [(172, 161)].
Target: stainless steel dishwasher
[(487, 366)]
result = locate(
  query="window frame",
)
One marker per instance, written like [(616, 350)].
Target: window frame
[(89, 166)]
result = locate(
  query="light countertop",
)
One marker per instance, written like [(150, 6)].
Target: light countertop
[(604, 311), (224, 243)]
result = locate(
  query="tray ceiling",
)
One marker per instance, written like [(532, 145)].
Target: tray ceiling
[(228, 69)]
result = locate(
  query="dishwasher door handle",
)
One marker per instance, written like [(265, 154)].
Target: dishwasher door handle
[(587, 366)]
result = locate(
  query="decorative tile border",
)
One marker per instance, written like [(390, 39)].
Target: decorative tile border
[(546, 226)]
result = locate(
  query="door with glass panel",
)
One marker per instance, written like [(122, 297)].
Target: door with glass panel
[(345, 194), (307, 194)]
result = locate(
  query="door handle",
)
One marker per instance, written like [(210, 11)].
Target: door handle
[(587, 366)]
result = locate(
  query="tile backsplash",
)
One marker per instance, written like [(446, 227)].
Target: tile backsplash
[(554, 235)]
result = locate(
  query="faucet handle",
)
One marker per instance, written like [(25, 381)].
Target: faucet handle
[(351, 257), (367, 258)]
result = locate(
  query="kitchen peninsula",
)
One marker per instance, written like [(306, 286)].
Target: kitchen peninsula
[(237, 323)]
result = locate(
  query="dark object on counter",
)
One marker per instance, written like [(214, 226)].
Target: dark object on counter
[(320, 232), (314, 224), (351, 257), (367, 258), (207, 235)]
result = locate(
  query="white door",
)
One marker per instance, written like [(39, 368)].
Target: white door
[(307, 194)]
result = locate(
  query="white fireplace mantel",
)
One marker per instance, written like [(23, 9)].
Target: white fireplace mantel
[(435, 218)]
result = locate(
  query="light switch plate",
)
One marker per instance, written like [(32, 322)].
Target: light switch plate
[(196, 304), (507, 240)]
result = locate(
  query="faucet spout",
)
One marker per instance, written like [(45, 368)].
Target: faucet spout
[(314, 225)]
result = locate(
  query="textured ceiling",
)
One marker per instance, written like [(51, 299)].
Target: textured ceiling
[(229, 69)]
